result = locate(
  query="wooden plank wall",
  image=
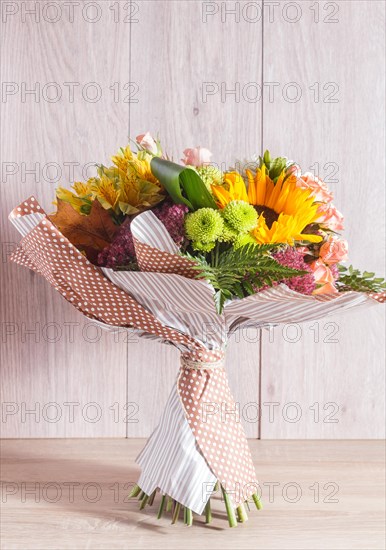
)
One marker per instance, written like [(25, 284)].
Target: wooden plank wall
[(336, 127), (216, 74)]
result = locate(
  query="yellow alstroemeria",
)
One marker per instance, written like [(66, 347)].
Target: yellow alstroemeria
[(78, 203), (122, 159), (105, 190), (140, 167), (83, 189), (128, 186), (136, 195)]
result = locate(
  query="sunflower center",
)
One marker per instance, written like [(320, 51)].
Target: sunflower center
[(269, 214)]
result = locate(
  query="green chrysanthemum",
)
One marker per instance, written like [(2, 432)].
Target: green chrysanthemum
[(243, 240), (210, 175), (229, 234), (241, 216), (204, 226), (203, 247)]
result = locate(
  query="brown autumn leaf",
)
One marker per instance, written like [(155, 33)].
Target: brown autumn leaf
[(89, 233)]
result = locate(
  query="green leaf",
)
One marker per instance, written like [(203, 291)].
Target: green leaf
[(219, 300), (183, 184), (238, 290), (248, 287), (277, 166), (196, 190), (238, 272), (353, 279)]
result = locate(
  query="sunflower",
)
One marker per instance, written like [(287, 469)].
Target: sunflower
[(233, 189), (284, 209)]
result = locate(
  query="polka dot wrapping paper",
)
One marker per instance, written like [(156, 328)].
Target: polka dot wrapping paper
[(202, 386), (46, 251), (215, 421)]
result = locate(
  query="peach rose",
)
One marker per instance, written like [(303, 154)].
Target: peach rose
[(147, 142), (324, 278), (334, 250), (319, 189), (198, 156), (328, 288), (330, 217)]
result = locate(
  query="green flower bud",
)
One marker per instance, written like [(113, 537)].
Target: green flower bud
[(204, 226), (210, 175), (241, 216)]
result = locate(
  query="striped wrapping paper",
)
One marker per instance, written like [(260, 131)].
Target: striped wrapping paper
[(195, 444)]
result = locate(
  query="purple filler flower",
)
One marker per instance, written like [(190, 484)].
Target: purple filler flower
[(290, 257), (172, 216), (121, 251)]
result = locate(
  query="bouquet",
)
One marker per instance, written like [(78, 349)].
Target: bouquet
[(171, 249)]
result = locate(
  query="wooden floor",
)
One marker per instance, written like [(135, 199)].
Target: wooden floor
[(72, 494)]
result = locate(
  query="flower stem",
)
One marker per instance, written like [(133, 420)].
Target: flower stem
[(161, 507), (189, 517), (176, 512), (208, 512), (144, 502), (151, 497), (241, 513), (257, 501), (169, 504), (229, 508), (135, 491)]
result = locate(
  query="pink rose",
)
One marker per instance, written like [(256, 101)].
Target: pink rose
[(198, 156), (334, 250), (295, 170), (330, 217), (319, 189), (324, 278), (147, 142)]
